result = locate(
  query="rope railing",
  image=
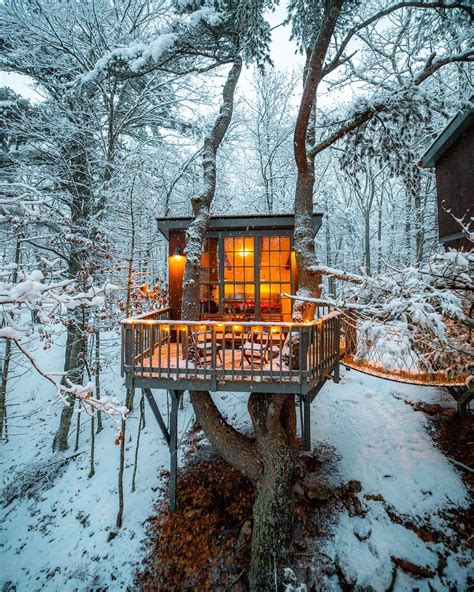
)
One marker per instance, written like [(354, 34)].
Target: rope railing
[(392, 356)]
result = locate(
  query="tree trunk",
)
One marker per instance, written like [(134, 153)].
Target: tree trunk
[(74, 368), (274, 422), (202, 202), (367, 260), (78, 186), (4, 385), (308, 277), (8, 352)]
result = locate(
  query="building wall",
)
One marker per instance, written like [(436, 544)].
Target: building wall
[(455, 187), (175, 272)]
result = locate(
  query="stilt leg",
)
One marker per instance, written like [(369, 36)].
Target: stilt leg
[(337, 372), (175, 396), (306, 423)]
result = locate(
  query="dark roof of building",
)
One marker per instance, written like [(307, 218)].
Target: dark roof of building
[(448, 136), (246, 222)]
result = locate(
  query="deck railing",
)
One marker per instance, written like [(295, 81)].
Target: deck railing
[(208, 354)]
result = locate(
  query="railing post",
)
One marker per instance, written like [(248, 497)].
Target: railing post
[(337, 337), (304, 342), (128, 348)]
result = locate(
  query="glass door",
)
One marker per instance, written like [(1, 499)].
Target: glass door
[(239, 277), (275, 278)]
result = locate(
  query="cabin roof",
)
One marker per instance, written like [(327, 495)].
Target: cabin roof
[(246, 222), (448, 136)]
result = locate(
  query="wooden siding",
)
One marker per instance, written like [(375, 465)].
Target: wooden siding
[(176, 272), (455, 187)]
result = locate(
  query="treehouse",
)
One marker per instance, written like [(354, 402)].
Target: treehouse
[(245, 339), (242, 340)]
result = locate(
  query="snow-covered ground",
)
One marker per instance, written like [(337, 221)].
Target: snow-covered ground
[(63, 537)]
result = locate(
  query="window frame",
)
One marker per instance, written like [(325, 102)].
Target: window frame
[(256, 235)]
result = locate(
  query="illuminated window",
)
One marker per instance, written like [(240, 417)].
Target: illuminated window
[(275, 278), (239, 276), (233, 268), (209, 278)]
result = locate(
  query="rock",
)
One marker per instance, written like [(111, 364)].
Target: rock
[(354, 486), (362, 531), (318, 492)]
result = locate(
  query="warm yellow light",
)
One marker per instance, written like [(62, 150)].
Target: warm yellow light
[(202, 327), (166, 327), (237, 327), (275, 329)]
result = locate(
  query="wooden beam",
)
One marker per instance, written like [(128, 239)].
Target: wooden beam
[(156, 412)]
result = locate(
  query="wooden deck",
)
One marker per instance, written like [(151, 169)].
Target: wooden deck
[(209, 355)]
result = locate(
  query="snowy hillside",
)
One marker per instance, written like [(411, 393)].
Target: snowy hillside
[(60, 534)]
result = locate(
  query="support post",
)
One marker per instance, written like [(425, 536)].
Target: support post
[(306, 423), (337, 372), (173, 444), (170, 436), (156, 412), (305, 414)]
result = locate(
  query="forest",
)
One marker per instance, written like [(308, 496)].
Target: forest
[(271, 194)]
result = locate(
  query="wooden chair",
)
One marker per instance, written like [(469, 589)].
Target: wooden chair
[(201, 344), (256, 347)]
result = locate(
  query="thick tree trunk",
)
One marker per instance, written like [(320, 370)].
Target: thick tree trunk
[(268, 461), (78, 186), (76, 343), (309, 279), (202, 202), (274, 422), (367, 259)]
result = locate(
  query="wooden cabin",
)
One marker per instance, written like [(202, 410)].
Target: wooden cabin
[(451, 155), (241, 341), (246, 265)]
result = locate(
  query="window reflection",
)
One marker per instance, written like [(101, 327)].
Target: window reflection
[(234, 293), (239, 276), (275, 278)]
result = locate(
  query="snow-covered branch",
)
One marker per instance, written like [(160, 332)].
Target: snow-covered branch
[(426, 309)]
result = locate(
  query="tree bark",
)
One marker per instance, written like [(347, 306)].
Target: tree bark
[(81, 203), (8, 354), (274, 420), (309, 280), (74, 368), (202, 202)]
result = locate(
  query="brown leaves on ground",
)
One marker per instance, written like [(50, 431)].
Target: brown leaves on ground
[(205, 543)]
